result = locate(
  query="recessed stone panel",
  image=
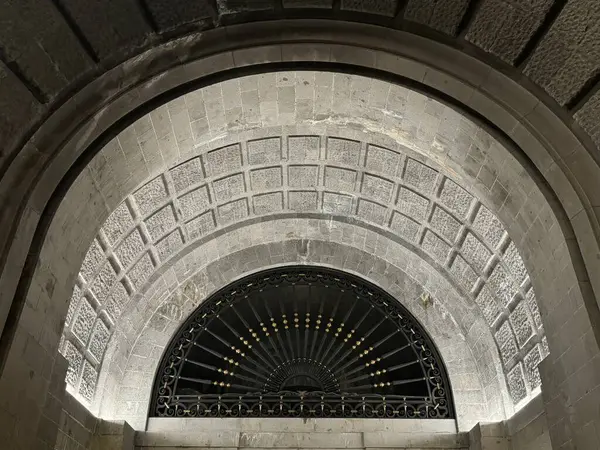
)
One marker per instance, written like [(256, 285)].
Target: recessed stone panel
[(475, 252), (229, 187), (161, 222), (140, 272), (233, 211), (371, 212), (455, 198), (446, 225), (150, 196), (264, 151), (463, 273), (506, 342), (343, 151), (75, 359), (533, 308), (516, 384), (530, 362), (84, 320), (169, 245), (377, 188), (201, 225), (75, 296), (405, 227), (521, 323), (303, 148), (422, 177), (486, 300), (117, 300), (435, 246), (103, 282), (515, 263), (302, 200), (267, 203), (444, 16), (91, 262), (130, 248), (382, 7), (266, 179), (87, 386), (187, 174), (488, 226), (223, 160), (340, 179), (412, 204), (383, 160), (99, 339), (303, 176), (194, 202), (117, 224), (502, 284), (335, 203)]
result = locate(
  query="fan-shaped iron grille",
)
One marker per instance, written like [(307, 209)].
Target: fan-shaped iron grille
[(301, 342)]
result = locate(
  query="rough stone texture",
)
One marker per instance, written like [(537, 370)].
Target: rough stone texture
[(506, 342), (160, 222), (443, 16), (384, 7), (488, 226), (455, 198), (445, 224), (131, 247), (435, 246), (84, 319), (150, 196), (567, 56), (516, 384), (117, 223), (420, 176), (344, 151), (475, 252), (503, 28), (187, 174), (194, 202), (413, 204), (172, 13), (587, 115)]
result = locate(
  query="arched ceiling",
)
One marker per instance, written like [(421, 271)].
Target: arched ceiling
[(291, 144)]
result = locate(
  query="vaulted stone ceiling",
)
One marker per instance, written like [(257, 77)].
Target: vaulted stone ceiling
[(382, 166)]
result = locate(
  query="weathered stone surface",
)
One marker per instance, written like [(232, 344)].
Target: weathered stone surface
[(413, 204), (337, 203), (87, 385), (201, 225), (475, 252), (169, 245), (103, 282), (194, 202), (377, 188), (340, 179), (84, 321), (151, 195), (267, 203), (266, 179), (446, 225), (489, 306), (230, 187), (405, 227), (117, 300), (455, 198), (140, 272), (443, 16), (187, 174), (435, 246), (232, 211), (521, 323), (420, 176), (506, 342), (488, 226), (587, 117), (302, 200), (464, 274), (343, 151), (264, 151), (533, 308), (117, 224), (73, 305), (92, 260), (161, 222), (383, 160), (303, 176), (515, 263), (516, 384), (303, 148), (131, 247), (223, 160), (530, 363), (172, 13), (75, 359), (383, 7), (502, 284), (371, 212), (98, 340)]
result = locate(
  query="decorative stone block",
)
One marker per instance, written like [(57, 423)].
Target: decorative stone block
[(161, 222), (383, 160), (84, 321), (130, 248), (267, 203), (117, 224), (99, 339), (371, 212), (187, 174), (223, 160), (151, 195), (343, 151), (169, 245), (334, 203), (488, 226), (382, 7), (233, 211), (435, 246), (420, 176), (75, 296), (201, 225), (266, 179), (140, 272), (230, 187), (533, 308), (455, 198), (75, 359), (91, 262), (446, 225), (103, 282), (475, 252), (412, 204), (515, 263), (379, 189), (303, 176), (506, 342), (117, 300), (303, 148), (463, 273), (264, 151), (516, 384), (194, 202), (502, 284), (302, 200), (531, 361), (87, 386), (486, 301), (405, 227), (521, 323), (340, 179)]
